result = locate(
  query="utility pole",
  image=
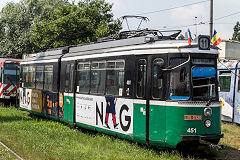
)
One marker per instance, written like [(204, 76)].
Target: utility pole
[(211, 19), (196, 25)]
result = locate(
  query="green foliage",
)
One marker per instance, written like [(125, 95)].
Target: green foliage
[(236, 33), (15, 23), (36, 25), (74, 24)]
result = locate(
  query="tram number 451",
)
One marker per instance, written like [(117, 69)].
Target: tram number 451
[(192, 130)]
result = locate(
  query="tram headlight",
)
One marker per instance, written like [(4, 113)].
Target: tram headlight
[(207, 123), (207, 112)]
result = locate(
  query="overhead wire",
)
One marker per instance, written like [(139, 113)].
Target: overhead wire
[(167, 9), (206, 22)]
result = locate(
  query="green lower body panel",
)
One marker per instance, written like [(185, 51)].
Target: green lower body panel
[(182, 121), (157, 125), (68, 109), (139, 123)]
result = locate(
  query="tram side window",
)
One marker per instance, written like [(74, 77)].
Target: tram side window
[(25, 75), (142, 66), (225, 81), (115, 77), (179, 80), (48, 77), (157, 78), (1, 70), (32, 77), (83, 77), (98, 75), (29, 76), (69, 78), (39, 77)]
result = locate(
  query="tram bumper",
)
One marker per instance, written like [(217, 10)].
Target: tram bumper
[(201, 137)]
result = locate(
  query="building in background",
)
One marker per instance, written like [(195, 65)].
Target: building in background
[(229, 50)]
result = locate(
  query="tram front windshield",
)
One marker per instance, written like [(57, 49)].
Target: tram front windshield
[(9, 73), (196, 82), (179, 80), (203, 81)]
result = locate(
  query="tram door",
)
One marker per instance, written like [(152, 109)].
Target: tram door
[(139, 123), (149, 110), (157, 116), (69, 94)]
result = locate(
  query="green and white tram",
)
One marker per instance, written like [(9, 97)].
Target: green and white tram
[(147, 88)]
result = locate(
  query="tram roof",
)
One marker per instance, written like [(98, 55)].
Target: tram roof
[(47, 56), (129, 46), (139, 45), (9, 59)]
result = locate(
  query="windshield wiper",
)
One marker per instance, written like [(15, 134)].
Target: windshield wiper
[(209, 102)]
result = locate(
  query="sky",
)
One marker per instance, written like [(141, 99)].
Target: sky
[(178, 18)]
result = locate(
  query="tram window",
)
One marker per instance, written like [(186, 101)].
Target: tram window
[(48, 77), (39, 77), (225, 81), (157, 78), (10, 73), (204, 82), (98, 75), (25, 76), (142, 66), (1, 74), (29, 76), (179, 81), (115, 77), (67, 78), (83, 77), (71, 78)]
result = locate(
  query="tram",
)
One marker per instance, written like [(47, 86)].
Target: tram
[(229, 90), (143, 86), (9, 78)]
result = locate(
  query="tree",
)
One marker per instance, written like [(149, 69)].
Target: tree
[(15, 23), (236, 33), (74, 24), (181, 37)]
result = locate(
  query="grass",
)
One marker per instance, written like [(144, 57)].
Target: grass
[(5, 154), (231, 134), (36, 138)]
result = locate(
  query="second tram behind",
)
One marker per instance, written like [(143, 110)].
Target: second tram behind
[(9, 78), (149, 89)]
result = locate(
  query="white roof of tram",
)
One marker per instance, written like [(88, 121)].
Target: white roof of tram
[(133, 46), (46, 57)]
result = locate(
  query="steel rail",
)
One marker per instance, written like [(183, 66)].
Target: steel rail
[(15, 154)]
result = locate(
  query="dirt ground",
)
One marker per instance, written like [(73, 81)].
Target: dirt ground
[(219, 152)]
